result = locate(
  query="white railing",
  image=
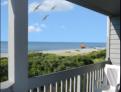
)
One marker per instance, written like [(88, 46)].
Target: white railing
[(87, 78)]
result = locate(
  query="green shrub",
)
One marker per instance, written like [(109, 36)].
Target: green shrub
[(3, 69), (40, 64)]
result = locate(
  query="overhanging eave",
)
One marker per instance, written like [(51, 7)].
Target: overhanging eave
[(107, 7)]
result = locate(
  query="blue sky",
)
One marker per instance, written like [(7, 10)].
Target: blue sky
[(67, 22)]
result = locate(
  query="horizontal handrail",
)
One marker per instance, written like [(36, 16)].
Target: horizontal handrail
[(62, 75), (6, 86)]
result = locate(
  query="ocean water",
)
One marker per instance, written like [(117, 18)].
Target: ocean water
[(45, 46)]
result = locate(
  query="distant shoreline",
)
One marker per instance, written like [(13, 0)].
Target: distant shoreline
[(65, 52), (49, 46)]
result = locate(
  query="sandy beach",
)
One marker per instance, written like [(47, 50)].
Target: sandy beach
[(72, 52), (69, 52)]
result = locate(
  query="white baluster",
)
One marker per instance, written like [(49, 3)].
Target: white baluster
[(87, 83), (90, 81), (93, 81), (56, 86), (38, 89), (31, 90), (44, 88), (66, 86), (61, 86), (70, 85), (50, 87), (78, 83), (75, 85)]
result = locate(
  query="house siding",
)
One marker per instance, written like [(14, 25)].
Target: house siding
[(114, 40)]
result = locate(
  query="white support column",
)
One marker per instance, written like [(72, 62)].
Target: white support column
[(108, 41), (18, 44)]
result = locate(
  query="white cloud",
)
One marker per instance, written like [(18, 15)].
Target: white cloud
[(46, 5), (35, 28), (43, 26), (4, 2)]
